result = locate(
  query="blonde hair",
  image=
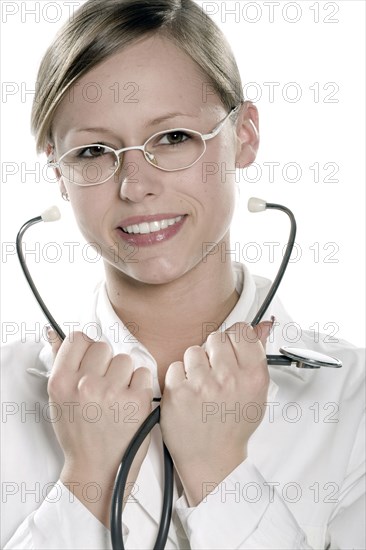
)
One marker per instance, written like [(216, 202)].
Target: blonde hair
[(101, 28)]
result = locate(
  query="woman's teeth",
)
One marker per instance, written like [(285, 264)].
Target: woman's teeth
[(152, 227)]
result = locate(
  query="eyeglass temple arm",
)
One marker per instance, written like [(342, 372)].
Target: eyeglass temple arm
[(216, 130)]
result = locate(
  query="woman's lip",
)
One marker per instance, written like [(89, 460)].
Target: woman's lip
[(135, 220), (156, 237)]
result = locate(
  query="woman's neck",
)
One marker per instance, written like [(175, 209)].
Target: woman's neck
[(174, 316)]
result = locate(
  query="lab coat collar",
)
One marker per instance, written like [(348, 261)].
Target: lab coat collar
[(107, 318), (251, 293), (244, 311)]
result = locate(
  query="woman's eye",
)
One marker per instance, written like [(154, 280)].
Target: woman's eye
[(173, 138), (93, 151)]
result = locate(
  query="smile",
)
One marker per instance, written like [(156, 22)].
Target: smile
[(151, 227)]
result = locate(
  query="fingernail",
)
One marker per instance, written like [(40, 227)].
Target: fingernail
[(51, 334), (47, 329)]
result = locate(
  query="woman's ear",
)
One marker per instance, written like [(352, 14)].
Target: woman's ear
[(50, 153), (247, 130)]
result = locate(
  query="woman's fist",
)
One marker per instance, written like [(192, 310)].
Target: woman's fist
[(213, 401), (98, 402)]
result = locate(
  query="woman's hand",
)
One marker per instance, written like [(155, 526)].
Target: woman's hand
[(98, 403), (213, 401)]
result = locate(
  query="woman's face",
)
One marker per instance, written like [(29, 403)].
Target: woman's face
[(149, 87)]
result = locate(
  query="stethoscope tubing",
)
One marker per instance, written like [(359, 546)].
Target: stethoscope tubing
[(154, 417), (25, 269), (136, 442), (121, 480), (285, 260)]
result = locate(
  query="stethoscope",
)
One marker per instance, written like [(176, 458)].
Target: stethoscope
[(290, 356)]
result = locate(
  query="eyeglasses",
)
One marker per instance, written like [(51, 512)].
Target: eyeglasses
[(169, 150)]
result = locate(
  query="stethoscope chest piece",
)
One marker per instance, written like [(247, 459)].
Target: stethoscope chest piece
[(309, 359)]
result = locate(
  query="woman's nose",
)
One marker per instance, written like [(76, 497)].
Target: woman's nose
[(137, 177)]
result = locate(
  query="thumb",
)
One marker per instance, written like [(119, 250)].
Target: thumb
[(54, 340)]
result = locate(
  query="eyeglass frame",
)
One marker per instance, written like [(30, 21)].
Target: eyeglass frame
[(204, 137)]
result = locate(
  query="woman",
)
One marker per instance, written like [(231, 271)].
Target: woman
[(252, 450)]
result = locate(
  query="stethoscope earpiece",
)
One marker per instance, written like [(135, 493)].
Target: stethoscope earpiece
[(51, 214), (256, 205)]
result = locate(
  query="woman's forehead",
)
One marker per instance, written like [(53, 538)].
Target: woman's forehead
[(150, 69), (151, 79)]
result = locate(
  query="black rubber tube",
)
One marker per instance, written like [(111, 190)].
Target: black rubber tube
[(121, 480), (154, 417), (27, 275), (276, 283)]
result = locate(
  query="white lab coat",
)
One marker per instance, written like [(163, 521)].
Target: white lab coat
[(301, 487)]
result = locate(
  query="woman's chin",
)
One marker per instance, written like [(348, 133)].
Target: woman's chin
[(157, 271)]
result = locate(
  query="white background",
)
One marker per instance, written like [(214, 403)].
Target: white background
[(304, 47)]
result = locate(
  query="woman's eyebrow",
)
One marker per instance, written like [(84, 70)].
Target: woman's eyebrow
[(96, 129), (153, 122), (167, 116)]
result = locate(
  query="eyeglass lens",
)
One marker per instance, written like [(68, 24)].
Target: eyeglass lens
[(93, 164)]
